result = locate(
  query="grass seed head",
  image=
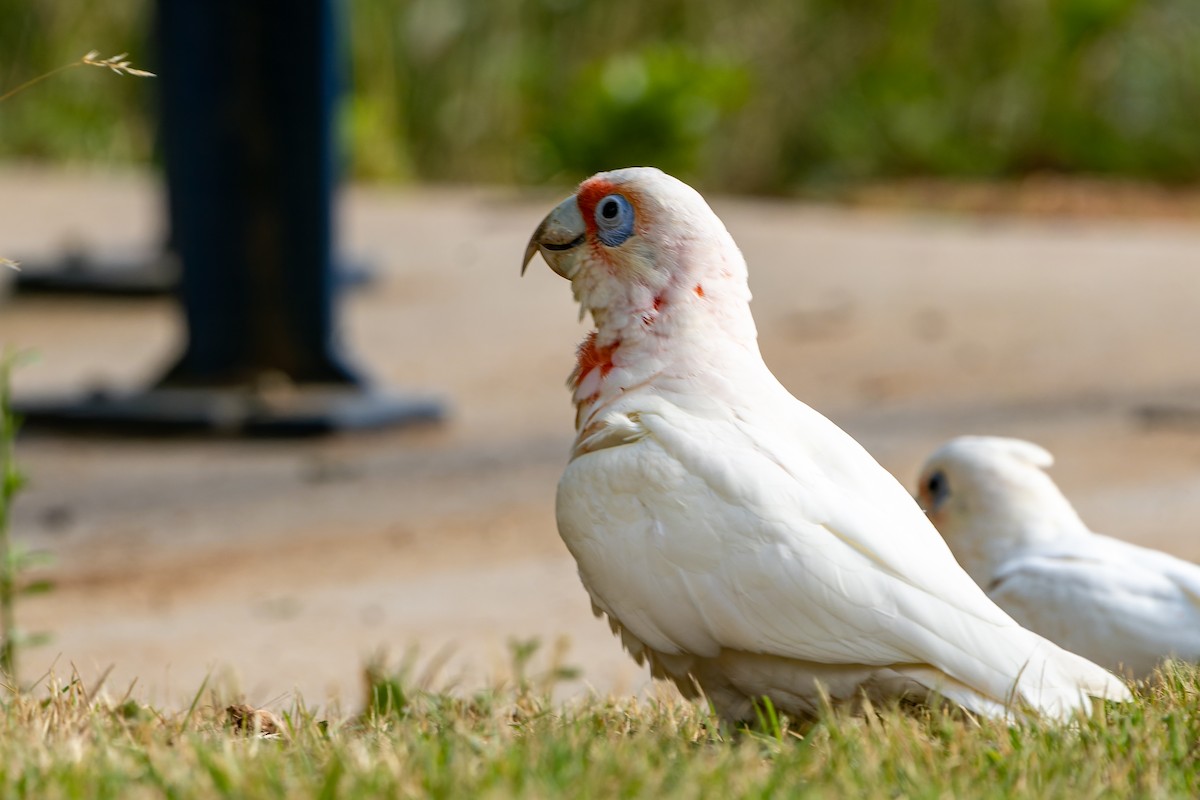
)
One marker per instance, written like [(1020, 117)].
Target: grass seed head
[(117, 64)]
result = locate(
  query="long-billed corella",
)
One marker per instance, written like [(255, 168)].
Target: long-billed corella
[(739, 542), (1123, 606)]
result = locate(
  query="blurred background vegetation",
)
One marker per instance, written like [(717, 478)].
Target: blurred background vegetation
[(775, 96)]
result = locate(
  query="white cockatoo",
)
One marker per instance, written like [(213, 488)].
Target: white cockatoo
[(737, 540), (1120, 605)]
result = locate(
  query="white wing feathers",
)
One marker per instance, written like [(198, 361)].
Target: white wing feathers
[(725, 534), (1119, 605)]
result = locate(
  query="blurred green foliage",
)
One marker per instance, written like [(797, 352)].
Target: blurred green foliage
[(83, 114), (769, 96)]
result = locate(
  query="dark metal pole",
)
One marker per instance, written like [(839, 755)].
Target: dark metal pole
[(247, 113), (248, 90)]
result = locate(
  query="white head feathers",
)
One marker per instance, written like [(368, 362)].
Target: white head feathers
[(984, 450), (988, 494)]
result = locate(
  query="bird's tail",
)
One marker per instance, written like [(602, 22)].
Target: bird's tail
[(1057, 683), (1050, 682)]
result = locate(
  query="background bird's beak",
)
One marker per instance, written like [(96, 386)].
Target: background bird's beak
[(560, 233)]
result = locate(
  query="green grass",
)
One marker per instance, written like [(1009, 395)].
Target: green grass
[(771, 96), (511, 743)]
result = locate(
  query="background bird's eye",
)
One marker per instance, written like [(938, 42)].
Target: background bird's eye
[(938, 487), (614, 220)]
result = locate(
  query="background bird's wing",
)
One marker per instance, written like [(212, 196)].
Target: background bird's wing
[(1112, 602)]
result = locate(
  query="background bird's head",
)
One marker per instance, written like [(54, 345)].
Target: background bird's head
[(645, 255), (989, 494)]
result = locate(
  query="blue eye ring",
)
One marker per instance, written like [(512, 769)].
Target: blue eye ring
[(614, 220)]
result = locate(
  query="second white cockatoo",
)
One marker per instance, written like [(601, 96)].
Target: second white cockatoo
[(1120, 605), (737, 540)]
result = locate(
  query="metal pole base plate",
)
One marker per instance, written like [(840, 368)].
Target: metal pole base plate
[(1181, 416), (136, 274), (114, 274), (293, 411)]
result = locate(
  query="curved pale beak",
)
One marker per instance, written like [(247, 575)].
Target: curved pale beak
[(561, 232)]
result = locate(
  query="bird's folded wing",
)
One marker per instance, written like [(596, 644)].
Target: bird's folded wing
[(1183, 574), (1114, 610), (712, 536)]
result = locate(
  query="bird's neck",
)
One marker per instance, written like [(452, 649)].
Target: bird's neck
[(662, 342), (1044, 514), (1023, 527)]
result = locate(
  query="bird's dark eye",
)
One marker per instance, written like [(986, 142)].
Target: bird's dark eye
[(938, 488), (614, 220)]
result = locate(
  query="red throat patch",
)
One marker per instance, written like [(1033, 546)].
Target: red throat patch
[(591, 357)]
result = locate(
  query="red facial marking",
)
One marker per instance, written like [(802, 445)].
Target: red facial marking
[(658, 301), (591, 192), (699, 290), (590, 357)]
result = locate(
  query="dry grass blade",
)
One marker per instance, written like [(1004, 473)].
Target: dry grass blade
[(117, 64), (254, 721), (8, 262), (92, 58)]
